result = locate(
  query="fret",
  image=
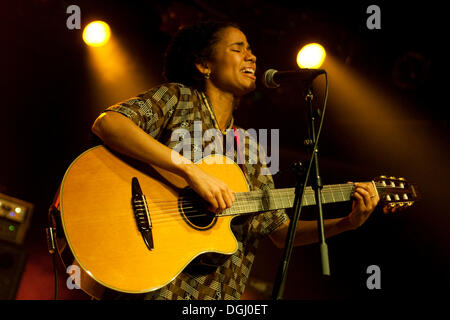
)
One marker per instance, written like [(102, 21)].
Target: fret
[(307, 198), (288, 201), (342, 194), (326, 195), (333, 199), (276, 201)]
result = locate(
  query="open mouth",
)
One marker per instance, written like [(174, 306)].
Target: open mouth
[(250, 72)]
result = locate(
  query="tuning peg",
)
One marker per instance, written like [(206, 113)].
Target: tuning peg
[(381, 180)]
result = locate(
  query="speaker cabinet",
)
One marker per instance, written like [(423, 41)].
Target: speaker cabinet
[(12, 264)]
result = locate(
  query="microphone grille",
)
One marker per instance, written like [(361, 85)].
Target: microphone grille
[(268, 80)]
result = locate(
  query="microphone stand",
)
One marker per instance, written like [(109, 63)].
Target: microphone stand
[(317, 184), (302, 180)]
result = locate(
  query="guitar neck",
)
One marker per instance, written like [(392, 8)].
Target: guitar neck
[(273, 199)]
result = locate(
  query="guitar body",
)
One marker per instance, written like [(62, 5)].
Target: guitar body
[(101, 230)]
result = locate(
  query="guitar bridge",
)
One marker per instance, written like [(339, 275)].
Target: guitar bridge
[(141, 213)]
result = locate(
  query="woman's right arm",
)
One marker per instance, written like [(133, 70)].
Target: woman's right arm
[(123, 135)]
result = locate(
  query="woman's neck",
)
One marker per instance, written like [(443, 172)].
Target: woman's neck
[(223, 104)]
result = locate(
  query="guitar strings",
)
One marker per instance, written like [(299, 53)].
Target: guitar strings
[(281, 193), (277, 193), (256, 193), (165, 214)]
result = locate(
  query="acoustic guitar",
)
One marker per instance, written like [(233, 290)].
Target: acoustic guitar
[(132, 228)]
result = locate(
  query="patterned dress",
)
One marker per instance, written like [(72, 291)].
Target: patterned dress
[(172, 113)]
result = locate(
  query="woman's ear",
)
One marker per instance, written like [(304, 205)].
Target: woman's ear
[(204, 69)]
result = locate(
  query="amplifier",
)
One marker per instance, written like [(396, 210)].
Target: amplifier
[(15, 217)]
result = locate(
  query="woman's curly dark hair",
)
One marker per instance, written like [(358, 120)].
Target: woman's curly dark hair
[(190, 45)]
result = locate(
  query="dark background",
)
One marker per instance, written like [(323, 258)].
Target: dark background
[(49, 104)]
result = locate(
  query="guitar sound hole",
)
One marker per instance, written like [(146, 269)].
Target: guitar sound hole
[(194, 210)]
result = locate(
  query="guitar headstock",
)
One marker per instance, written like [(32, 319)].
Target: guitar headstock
[(396, 193)]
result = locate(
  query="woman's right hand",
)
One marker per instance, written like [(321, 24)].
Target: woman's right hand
[(210, 188)]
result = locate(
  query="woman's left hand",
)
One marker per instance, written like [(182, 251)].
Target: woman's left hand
[(365, 200)]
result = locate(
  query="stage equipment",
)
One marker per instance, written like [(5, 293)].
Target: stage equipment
[(15, 217), (96, 34), (311, 56)]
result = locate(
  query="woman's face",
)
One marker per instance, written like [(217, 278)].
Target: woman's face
[(233, 64)]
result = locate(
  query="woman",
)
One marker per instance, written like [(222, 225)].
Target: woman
[(209, 66)]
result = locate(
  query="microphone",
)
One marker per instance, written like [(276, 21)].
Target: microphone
[(273, 78)]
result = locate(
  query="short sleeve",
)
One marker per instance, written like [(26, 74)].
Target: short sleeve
[(152, 109)]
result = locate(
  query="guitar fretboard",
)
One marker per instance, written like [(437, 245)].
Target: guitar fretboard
[(273, 199)]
